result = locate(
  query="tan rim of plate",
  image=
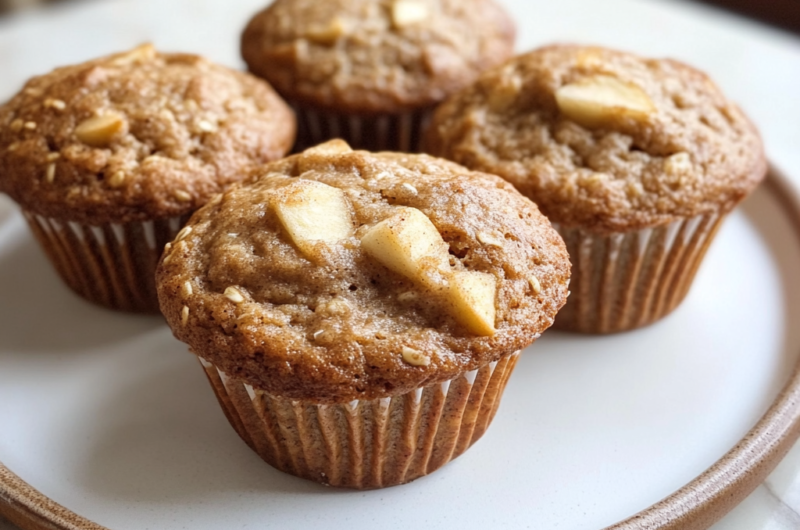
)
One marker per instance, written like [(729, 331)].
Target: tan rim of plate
[(696, 506)]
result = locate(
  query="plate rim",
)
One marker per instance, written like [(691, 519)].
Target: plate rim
[(720, 488), (695, 506)]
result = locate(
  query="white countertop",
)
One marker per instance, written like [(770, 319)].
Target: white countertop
[(757, 66)]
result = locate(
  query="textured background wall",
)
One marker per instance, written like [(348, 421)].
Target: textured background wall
[(781, 13)]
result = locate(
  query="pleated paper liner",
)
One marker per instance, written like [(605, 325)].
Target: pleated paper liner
[(365, 444), (380, 132), (628, 280), (112, 265)]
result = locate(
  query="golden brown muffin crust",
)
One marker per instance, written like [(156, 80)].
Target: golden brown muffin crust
[(332, 327), (182, 129), (695, 153), (359, 56)]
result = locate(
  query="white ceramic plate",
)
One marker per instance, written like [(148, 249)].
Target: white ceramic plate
[(108, 415)]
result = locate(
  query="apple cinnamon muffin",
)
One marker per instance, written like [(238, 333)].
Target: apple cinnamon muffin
[(635, 161), (371, 71), (359, 314), (108, 158)]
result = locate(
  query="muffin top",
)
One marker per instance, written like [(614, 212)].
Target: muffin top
[(604, 140), (137, 135), (375, 56), (337, 275)]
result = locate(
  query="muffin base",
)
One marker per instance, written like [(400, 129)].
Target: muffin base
[(625, 281), (365, 444), (380, 132), (112, 265)]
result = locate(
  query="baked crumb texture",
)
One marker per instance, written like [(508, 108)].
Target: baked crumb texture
[(602, 140), (136, 136), (327, 321)]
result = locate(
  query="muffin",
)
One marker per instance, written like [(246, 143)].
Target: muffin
[(108, 158), (358, 315), (635, 161), (370, 71)]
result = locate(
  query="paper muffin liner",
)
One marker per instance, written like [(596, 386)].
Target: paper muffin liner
[(381, 132), (365, 444), (628, 280), (112, 265)]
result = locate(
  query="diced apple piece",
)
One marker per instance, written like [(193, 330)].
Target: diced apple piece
[(311, 211), (330, 33), (100, 131), (331, 147), (503, 94), (678, 164), (144, 52), (408, 12), (407, 243), (471, 301), (594, 101), (310, 158)]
